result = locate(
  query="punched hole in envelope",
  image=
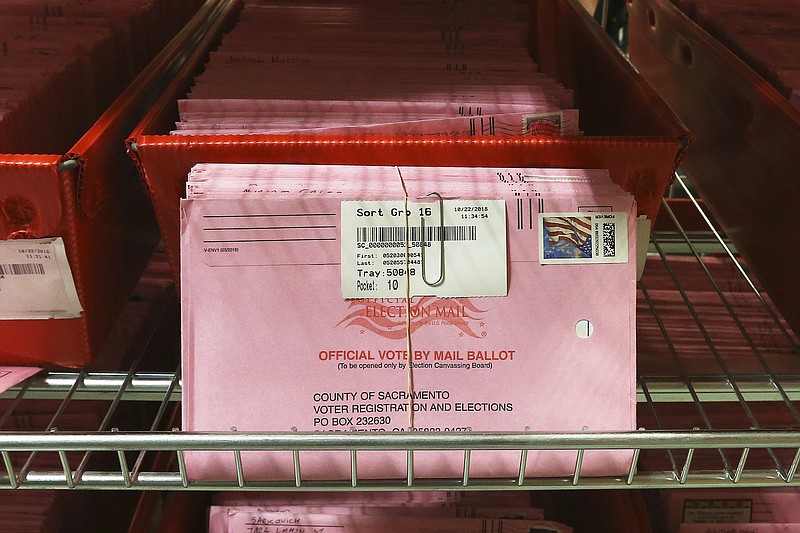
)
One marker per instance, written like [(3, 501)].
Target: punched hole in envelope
[(584, 329)]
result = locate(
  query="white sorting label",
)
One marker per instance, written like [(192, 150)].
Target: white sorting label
[(36, 281), (472, 237)]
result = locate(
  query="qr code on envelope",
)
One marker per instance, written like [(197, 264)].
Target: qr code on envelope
[(583, 238)]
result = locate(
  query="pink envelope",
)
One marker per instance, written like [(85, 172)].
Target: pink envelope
[(227, 520), (11, 375), (270, 345), (552, 123), (731, 506), (219, 515)]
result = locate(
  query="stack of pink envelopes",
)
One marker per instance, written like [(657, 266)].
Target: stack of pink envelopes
[(521, 318), (432, 512), (360, 67)]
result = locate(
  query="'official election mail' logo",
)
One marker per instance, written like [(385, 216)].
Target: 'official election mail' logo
[(387, 316)]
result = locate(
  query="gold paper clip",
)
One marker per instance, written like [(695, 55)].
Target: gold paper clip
[(441, 241)]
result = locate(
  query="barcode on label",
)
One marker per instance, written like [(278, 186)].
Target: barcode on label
[(432, 233), (609, 240), (19, 269)]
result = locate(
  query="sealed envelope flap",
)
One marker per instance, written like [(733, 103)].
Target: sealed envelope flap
[(308, 231), (277, 232)]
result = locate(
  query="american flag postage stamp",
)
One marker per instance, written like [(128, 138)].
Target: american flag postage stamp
[(592, 237)]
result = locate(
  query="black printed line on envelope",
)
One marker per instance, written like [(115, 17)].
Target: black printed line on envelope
[(530, 213), (274, 240), (249, 228), (273, 215)]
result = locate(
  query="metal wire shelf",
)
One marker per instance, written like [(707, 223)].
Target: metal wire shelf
[(296, 443), (718, 393)]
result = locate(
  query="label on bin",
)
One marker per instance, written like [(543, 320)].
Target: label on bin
[(36, 280)]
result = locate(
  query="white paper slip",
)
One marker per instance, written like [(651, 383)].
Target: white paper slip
[(36, 280), (461, 253)]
